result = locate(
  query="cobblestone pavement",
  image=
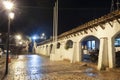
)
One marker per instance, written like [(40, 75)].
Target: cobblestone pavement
[(34, 67)]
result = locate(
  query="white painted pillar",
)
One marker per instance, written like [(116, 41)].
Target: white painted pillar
[(78, 59), (52, 54), (103, 54), (62, 48), (76, 53), (39, 49), (42, 49), (34, 46), (74, 56), (80, 52), (111, 53), (53, 49), (48, 50), (44, 52)]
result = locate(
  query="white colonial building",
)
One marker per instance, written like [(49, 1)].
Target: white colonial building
[(97, 40)]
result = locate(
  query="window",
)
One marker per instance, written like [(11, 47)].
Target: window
[(69, 44), (117, 42), (51, 46), (91, 44)]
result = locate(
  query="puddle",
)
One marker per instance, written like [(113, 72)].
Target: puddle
[(89, 72)]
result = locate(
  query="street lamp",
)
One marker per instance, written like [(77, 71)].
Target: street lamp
[(43, 36), (11, 16), (20, 42), (8, 6), (18, 37), (34, 37)]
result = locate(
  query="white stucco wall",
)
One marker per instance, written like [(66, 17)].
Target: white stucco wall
[(108, 32)]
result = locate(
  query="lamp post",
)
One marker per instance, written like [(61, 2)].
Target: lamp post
[(55, 25), (43, 36), (18, 37), (11, 16), (9, 6)]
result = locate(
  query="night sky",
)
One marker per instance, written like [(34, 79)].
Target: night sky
[(35, 16)]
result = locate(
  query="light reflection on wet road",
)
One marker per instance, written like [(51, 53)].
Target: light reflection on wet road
[(27, 67), (35, 67)]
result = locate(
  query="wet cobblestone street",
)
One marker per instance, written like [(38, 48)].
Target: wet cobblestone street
[(34, 67)]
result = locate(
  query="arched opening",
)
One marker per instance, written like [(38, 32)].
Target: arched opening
[(117, 50), (69, 44), (47, 50), (58, 45), (89, 49), (51, 47)]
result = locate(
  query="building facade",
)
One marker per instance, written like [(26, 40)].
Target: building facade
[(97, 40)]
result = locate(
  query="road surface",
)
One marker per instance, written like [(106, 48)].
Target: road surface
[(35, 67)]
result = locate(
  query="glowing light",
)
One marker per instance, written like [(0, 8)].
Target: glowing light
[(20, 42), (18, 37), (8, 5), (35, 37), (11, 15), (43, 34)]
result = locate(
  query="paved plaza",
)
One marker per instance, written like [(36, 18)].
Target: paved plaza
[(35, 67)]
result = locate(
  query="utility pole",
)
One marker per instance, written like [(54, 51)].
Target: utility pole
[(55, 24)]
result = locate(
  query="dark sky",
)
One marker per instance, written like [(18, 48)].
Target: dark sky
[(35, 16)]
